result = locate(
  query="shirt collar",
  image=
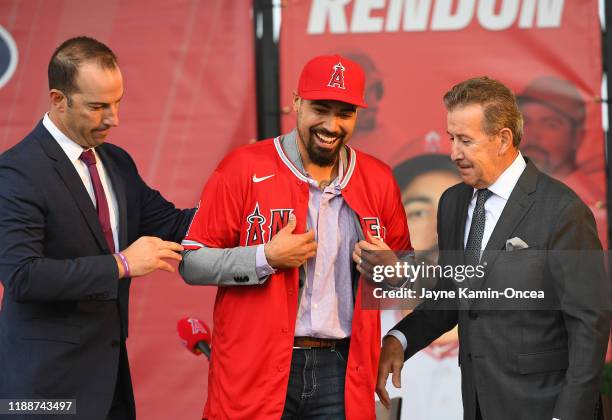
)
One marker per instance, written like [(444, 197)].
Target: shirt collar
[(293, 154), (71, 148), (505, 183)]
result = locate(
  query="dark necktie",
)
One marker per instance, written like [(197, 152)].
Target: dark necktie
[(474, 242), (89, 159)]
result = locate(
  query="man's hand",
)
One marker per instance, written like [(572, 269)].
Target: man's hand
[(370, 253), (289, 250), (148, 254), (391, 361)]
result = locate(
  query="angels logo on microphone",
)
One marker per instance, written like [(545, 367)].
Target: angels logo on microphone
[(196, 326), (8, 56), (337, 78)]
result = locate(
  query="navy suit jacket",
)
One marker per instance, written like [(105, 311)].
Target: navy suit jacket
[(64, 315)]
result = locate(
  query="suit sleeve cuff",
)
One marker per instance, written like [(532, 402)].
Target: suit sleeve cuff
[(400, 336), (262, 268)]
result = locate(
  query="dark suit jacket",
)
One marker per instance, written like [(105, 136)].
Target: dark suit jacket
[(64, 316), (523, 363)]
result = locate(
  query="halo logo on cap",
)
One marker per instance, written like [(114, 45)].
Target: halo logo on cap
[(333, 78), (337, 78), (8, 56)]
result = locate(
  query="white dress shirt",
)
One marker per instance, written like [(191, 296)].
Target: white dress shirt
[(501, 189), (73, 151)]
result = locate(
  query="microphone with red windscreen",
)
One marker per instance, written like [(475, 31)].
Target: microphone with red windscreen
[(195, 335)]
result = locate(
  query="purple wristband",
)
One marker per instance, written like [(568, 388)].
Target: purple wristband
[(126, 266)]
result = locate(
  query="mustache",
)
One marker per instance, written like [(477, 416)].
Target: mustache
[(328, 133)]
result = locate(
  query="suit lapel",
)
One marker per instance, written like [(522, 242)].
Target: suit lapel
[(462, 205), (520, 201), (457, 245), (73, 182), (119, 189)]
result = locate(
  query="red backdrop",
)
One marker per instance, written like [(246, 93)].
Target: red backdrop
[(189, 98), (415, 51), (188, 69)]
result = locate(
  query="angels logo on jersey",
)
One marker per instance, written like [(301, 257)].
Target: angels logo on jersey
[(372, 225), (256, 232), (337, 78), (279, 219)]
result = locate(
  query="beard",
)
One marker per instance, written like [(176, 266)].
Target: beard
[(323, 156)]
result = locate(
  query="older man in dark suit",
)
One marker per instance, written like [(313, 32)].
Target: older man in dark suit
[(520, 358), (76, 222)]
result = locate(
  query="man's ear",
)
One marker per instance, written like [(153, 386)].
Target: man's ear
[(506, 142), (59, 101), (296, 101)]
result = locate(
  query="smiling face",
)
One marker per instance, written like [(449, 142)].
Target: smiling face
[(480, 157), (87, 115), (323, 127)]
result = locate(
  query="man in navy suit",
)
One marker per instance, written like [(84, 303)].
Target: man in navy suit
[(77, 222)]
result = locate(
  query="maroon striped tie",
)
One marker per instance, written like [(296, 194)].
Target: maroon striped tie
[(89, 159)]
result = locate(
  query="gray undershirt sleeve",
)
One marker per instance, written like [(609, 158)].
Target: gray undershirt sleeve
[(221, 266)]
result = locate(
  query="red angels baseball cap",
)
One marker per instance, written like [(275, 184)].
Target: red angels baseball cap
[(332, 77)]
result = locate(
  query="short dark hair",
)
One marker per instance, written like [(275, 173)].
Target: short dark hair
[(68, 57), (407, 171), (500, 108)]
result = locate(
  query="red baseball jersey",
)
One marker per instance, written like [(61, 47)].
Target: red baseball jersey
[(247, 200)]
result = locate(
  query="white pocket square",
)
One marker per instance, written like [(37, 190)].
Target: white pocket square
[(515, 244)]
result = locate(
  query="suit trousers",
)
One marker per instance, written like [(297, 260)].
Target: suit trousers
[(478, 413), (598, 411), (122, 407)]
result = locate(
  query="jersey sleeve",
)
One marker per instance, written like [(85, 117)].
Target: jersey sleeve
[(216, 223)]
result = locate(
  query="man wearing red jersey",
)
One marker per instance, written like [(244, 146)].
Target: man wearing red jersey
[(275, 230)]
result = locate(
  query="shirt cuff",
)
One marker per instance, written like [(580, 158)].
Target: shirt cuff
[(400, 336), (262, 268)]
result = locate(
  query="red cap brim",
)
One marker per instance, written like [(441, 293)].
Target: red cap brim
[(324, 95)]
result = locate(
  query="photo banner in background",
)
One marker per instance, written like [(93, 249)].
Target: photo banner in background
[(414, 51), (189, 79)]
